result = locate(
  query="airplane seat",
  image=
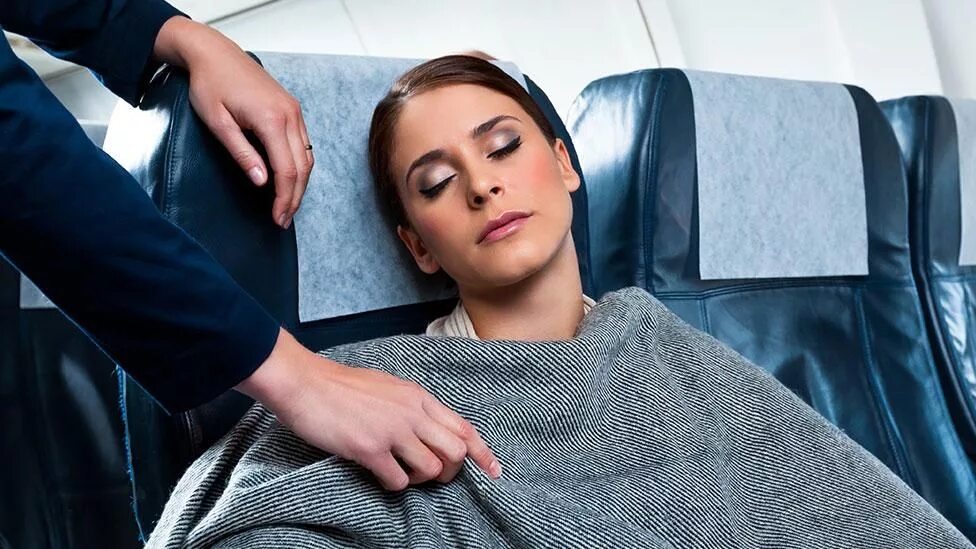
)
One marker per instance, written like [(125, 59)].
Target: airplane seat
[(21, 524), (66, 472), (197, 185), (773, 215), (938, 140)]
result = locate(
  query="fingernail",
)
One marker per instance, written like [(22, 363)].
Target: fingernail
[(257, 175), (284, 221), (496, 469)]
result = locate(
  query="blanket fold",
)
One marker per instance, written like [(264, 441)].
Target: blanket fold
[(639, 432)]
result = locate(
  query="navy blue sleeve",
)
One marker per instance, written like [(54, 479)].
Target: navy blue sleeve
[(79, 226), (113, 38)]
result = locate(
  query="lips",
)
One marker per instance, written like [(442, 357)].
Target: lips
[(502, 226)]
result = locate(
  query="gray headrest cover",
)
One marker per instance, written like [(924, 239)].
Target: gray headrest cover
[(965, 111), (349, 257), (780, 179)]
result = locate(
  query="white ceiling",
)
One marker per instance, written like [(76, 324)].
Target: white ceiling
[(200, 10)]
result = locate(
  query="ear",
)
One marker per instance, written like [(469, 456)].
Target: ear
[(420, 253), (571, 179)]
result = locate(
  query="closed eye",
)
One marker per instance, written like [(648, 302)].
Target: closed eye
[(507, 149), (431, 192)]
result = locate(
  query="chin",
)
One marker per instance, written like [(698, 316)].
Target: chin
[(505, 280), (513, 267)]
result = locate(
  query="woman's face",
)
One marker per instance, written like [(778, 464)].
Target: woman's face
[(486, 195)]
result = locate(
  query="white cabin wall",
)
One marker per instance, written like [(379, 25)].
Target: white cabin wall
[(306, 26), (954, 40), (881, 45), (890, 47), (795, 39), (561, 44)]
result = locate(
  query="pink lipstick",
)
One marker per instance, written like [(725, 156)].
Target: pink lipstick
[(502, 226)]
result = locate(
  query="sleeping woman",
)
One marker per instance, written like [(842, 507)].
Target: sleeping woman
[(617, 424)]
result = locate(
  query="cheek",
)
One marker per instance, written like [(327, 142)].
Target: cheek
[(434, 226), (539, 171), (431, 226)]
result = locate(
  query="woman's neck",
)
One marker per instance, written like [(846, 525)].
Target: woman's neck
[(546, 306)]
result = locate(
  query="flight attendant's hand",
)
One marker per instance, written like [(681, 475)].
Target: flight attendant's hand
[(231, 93), (367, 416)]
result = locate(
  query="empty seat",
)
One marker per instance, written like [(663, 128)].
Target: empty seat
[(938, 140), (844, 332)]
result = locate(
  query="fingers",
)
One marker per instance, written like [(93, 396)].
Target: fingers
[(236, 95), (437, 451), (476, 448), (303, 137), (297, 141), (424, 465), (273, 135), (447, 446), (229, 133), (451, 469), (386, 469)]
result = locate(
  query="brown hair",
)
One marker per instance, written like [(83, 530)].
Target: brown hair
[(433, 74)]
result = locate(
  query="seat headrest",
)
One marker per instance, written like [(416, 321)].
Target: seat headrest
[(965, 111), (342, 212), (732, 177)]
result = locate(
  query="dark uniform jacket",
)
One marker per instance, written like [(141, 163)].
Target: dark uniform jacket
[(79, 226)]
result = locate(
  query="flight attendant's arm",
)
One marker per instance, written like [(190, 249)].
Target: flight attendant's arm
[(86, 233)]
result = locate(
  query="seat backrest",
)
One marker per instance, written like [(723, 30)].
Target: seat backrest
[(938, 141), (21, 525), (199, 187), (72, 481), (844, 332)]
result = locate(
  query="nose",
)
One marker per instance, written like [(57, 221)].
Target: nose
[(482, 188)]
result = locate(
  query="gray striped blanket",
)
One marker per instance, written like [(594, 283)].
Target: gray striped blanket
[(639, 432)]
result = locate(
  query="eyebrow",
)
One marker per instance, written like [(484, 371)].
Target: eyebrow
[(438, 154), (486, 127)]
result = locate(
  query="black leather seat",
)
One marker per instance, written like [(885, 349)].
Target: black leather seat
[(184, 168), (853, 347), (22, 517), (928, 133), (71, 409)]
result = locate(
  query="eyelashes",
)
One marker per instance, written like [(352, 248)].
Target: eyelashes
[(509, 148), (431, 192)]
